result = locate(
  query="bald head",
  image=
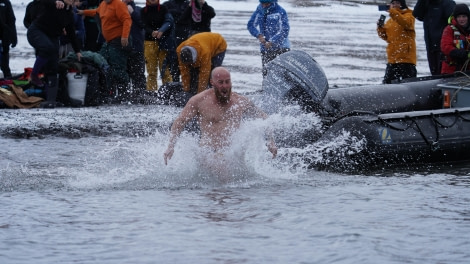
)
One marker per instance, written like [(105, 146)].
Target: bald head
[(219, 71)]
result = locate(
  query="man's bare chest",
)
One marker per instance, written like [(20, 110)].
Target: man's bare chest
[(220, 114)]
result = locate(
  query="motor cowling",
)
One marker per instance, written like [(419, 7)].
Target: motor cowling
[(295, 77)]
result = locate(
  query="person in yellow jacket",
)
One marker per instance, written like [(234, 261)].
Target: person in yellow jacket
[(399, 33), (197, 56)]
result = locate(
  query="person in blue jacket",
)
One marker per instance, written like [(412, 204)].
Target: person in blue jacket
[(270, 25)]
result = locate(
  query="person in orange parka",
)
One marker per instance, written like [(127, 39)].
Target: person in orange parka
[(115, 22), (197, 57), (455, 39), (399, 33)]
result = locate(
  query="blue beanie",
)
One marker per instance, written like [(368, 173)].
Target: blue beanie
[(267, 1)]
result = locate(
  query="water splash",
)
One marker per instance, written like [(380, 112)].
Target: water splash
[(138, 163), (336, 154), (118, 162)]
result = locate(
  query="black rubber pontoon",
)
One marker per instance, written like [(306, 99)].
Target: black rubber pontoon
[(400, 123)]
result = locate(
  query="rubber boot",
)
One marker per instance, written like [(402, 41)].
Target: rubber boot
[(52, 87)]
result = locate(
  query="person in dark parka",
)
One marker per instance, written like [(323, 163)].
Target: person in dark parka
[(182, 29), (8, 35), (136, 60), (43, 34), (199, 14), (33, 9), (182, 25), (435, 15), (159, 39)]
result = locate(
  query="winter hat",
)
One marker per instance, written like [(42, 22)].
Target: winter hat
[(267, 1), (402, 3), (461, 9), (188, 54)]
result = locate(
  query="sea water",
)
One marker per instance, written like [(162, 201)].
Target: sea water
[(89, 185), (103, 195)]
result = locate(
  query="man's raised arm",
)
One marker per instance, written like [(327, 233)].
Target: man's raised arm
[(188, 113)]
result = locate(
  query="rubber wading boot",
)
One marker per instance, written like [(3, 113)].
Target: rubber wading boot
[(51, 92)]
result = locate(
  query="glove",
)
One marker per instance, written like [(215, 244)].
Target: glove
[(459, 55)]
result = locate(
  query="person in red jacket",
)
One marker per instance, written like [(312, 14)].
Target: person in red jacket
[(454, 42)]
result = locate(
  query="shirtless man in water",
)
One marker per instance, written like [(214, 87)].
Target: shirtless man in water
[(219, 112)]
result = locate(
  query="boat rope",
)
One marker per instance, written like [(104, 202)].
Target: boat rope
[(408, 122), (412, 122), (433, 144), (387, 124), (461, 116), (352, 113), (436, 121)]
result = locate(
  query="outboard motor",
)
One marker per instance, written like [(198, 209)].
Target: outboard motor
[(294, 77)]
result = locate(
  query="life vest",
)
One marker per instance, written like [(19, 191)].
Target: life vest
[(459, 42)]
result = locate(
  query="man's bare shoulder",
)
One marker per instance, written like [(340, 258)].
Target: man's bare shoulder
[(200, 98), (240, 99), (237, 96), (248, 106)]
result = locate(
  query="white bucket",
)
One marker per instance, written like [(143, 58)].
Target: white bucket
[(77, 85)]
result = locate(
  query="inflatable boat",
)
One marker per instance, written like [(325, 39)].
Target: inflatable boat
[(414, 121)]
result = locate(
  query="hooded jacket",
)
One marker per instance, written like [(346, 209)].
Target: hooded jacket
[(399, 33), (273, 24), (456, 53), (207, 45)]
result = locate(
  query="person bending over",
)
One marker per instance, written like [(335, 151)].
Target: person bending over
[(197, 57)]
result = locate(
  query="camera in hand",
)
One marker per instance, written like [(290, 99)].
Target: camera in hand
[(384, 7), (381, 21)]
